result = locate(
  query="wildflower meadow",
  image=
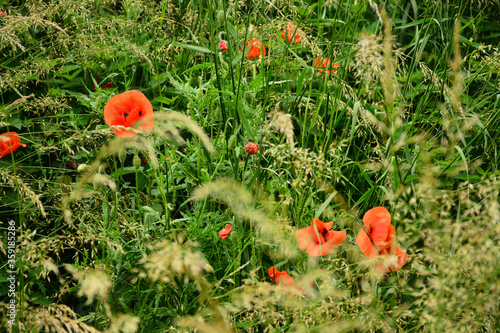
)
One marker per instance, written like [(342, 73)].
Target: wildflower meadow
[(249, 166)]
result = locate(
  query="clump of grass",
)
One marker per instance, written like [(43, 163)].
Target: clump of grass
[(123, 235)]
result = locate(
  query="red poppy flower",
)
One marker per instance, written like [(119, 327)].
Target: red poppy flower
[(256, 48), (129, 108), (4, 14), (9, 142), (324, 63), (292, 33), (225, 232), (281, 278), (223, 45), (378, 238), (252, 148), (320, 242)]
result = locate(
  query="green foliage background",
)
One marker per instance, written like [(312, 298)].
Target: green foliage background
[(122, 235)]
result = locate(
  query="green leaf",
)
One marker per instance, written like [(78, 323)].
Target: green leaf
[(192, 47), (324, 205)]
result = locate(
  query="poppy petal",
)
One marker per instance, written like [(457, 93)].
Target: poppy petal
[(9, 143), (377, 215), (131, 104), (305, 237), (388, 245), (377, 222), (272, 272), (365, 244), (224, 233), (334, 239), (281, 278), (402, 257)]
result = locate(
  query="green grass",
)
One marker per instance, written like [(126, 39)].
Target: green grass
[(119, 234)]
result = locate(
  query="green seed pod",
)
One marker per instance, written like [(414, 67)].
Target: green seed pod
[(122, 155), (248, 97), (232, 142), (82, 168), (137, 162), (221, 17)]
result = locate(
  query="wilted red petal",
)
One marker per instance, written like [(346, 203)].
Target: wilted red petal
[(388, 245), (305, 237), (126, 109)]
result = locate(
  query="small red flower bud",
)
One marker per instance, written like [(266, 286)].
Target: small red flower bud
[(223, 45), (252, 148), (225, 232)]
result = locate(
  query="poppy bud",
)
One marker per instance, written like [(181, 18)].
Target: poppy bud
[(225, 232), (252, 148), (223, 45), (221, 17), (232, 142), (122, 155), (137, 162), (248, 97)]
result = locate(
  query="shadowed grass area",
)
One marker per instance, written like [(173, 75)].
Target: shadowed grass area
[(369, 104)]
